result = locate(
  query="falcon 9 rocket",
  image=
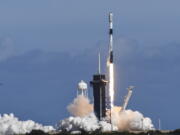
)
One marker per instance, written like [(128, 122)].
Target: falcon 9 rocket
[(110, 66)]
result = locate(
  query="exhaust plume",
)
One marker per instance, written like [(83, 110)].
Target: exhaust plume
[(128, 120), (84, 119), (80, 107), (111, 84)]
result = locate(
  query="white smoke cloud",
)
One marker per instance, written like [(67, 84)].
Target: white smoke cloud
[(130, 120), (10, 125), (87, 123), (83, 119), (126, 120)]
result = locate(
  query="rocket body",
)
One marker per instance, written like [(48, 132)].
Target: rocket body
[(111, 57), (110, 66), (111, 38)]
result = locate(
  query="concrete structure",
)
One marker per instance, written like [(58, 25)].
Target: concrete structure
[(98, 83)]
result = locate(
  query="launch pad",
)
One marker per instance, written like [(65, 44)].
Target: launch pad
[(103, 90), (106, 116)]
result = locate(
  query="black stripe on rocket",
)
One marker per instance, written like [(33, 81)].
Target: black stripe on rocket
[(111, 51), (110, 31)]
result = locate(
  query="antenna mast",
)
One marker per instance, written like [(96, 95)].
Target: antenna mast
[(99, 63)]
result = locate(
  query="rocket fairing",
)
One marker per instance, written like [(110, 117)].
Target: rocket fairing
[(111, 38)]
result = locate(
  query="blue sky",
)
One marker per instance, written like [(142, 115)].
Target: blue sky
[(48, 46)]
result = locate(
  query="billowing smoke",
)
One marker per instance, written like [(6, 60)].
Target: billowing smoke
[(130, 120), (82, 119), (80, 107), (87, 123), (10, 125)]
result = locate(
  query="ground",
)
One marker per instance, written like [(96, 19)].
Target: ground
[(175, 132)]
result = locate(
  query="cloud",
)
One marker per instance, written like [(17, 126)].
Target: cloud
[(6, 48), (128, 50)]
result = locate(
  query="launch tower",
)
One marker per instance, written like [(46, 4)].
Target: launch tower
[(99, 94)]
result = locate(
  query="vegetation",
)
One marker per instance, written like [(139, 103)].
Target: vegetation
[(157, 132)]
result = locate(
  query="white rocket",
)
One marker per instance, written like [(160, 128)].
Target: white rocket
[(110, 38), (110, 66)]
